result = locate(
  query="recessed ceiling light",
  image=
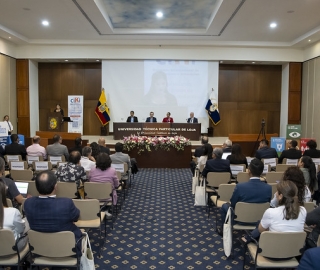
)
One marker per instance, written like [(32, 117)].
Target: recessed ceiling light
[(45, 23), (273, 25), (253, 62), (10, 37), (66, 60), (159, 14), (309, 40), (97, 60)]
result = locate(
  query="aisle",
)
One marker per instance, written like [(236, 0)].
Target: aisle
[(159, 228)]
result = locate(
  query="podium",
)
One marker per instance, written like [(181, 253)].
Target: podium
[(54, 121)]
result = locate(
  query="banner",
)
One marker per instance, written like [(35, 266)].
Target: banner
[(294, 132), (279, 144), (303, 144), (102, 110), (75, 112)]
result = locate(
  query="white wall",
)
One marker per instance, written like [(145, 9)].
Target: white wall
[(33, 97), (284, 100), (7, 48)]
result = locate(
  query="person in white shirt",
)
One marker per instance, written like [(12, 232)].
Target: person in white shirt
[(36, 149), (87, 161), (10, 126)]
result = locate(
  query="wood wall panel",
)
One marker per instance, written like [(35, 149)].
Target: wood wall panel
[(248, 93), (58, 80), (295, 89), (23, 72), (23, 103)]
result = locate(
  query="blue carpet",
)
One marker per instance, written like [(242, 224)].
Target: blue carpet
[(160, 228)]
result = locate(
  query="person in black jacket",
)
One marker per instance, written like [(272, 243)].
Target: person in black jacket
[(15, 148), (312, 152), (132, 118), (291, 153)]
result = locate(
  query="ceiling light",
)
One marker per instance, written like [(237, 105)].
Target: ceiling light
[(159, 14), (221, 61), (273, 25), (45, 23), (253, 62), (10, 37), (309, 40), (66, 60), (97, 60)]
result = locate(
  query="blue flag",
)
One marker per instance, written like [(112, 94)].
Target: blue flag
[(213, 112)]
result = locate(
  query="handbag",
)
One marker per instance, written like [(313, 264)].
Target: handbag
[(227, 234), (200, 198), (195, 180), (87, 259)]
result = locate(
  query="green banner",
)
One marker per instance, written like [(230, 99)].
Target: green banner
[(293, 132)]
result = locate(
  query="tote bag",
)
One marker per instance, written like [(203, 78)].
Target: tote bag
[(87, 259), (227, 234), (200, 198), (195, 180)]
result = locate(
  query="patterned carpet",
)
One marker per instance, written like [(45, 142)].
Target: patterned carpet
[(160, 228)]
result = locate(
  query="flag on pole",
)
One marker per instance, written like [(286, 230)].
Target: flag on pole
[(212, 108), (102, 110)]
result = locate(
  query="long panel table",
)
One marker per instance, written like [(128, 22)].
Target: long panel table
[(190, 131)]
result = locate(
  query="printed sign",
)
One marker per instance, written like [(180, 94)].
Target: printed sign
[(279, 144), (303, 144), (75, 112), (294, 132)]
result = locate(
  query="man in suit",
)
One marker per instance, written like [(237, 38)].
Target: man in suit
[(265, 151), (120, 157), (312, 152), (291, 153), (132, 118), (216, 164), (102, 146), (57, 149), (151, 119), (253, 191), (227, 146), (47, 213), (310, 259), (192, 119), (199, 150), (15, 148)]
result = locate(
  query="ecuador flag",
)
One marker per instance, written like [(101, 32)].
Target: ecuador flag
[(102, 110)]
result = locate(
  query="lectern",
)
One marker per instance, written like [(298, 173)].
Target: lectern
[(54, 121)]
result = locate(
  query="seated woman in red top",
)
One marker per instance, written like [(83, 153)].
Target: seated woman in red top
[(167, 119)]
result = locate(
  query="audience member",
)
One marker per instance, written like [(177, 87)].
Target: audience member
[(87, 161), (216, 164), (132, 118), (15, 148), (291, 153), (289, 216), (236, 156), (313, 220), (104, 173), (199, 150), (253, 191), (57, 149), (102, 145), (77, 145), (47, 213), (312, 152), (119, 157), (264, 151), (295, 175), (227, 146), (12, 192), (95, 150), (308, 169), (192, 119), (72, 171), (36, 150), (207, 155), (10, 218), (167, 119), (151, 119), (310, 259)]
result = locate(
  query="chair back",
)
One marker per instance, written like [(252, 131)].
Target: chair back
[(273, 188), (273, 177), (289, 161), (31, 159), (282, 167), (9, 202), (18, 165), (266, 168), (53, 245), (270, 161), (66, 190), (55, 159), (281, 244), (250, 212), (215, 179), (119, 167), (9, 158), (237, 168), (225, 191), (243, 177), (7, 242), (39, 166), (309, 206), (118, 175), (99, 191), (21, 174), (87, 208)]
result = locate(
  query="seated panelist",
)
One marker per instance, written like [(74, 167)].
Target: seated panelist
[(151, 119), (132, 118), (167, 119), (192, 119)]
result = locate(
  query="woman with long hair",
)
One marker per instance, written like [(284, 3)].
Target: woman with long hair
[(95, 150), (207, 154), (295, 175), (236, 156), (308, 169), (10, 218), (289, 216)]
